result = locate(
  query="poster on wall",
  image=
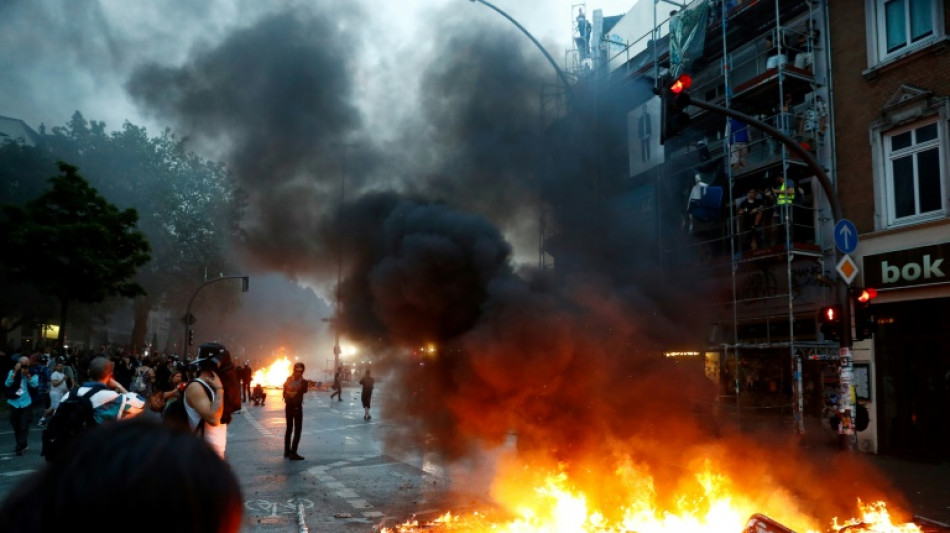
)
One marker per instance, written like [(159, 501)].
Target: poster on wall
[(643, 136), (862, 381)]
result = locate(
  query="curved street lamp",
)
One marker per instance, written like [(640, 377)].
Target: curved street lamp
[(189, 319), (560, 73)]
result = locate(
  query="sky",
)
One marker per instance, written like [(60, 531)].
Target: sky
[(62, 56), (371, 61)]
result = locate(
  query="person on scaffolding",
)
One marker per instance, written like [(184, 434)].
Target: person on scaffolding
[(751, 211), (584, 29)]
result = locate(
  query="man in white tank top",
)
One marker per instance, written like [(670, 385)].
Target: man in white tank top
[(204, 403)]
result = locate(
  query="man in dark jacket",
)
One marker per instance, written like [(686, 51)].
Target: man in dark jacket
[(294, 389), (246, 374)]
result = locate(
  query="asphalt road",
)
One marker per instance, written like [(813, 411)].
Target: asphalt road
[(345, 484)]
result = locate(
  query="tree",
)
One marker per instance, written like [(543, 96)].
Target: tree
[(73, 245), (189, 207), (24, 170)]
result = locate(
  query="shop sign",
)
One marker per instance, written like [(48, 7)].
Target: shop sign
[(927, 265)]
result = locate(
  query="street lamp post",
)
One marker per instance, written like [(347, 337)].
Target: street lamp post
[(339, 263), (189, 319), (332, 321), (560, 73)]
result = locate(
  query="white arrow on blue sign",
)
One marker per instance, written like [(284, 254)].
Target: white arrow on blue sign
[(846, 236)]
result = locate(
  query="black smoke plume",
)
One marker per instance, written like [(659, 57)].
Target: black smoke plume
[(423, 234)]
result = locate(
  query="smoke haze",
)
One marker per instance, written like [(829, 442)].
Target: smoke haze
[(443, 174)]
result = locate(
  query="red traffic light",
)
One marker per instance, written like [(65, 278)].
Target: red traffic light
[(681, 84), (867, 295), (829, 314)]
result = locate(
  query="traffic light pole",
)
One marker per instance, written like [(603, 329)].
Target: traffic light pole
[(189, 319), (848, 437)]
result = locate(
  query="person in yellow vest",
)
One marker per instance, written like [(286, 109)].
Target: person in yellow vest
[(784, 192)]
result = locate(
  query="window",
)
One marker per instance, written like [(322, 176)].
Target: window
[(914, 170), (902, 26)]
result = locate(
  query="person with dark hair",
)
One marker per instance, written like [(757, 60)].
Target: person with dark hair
[(367, 395), (18, 384), (130, 470), (259, 396), (294, 389), (246, 375), (750, 213), (204, 402), (124, 370)]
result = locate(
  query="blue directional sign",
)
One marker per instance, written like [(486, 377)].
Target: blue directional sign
[(846, 236)]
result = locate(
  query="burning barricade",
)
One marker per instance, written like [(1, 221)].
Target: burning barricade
[(554, 507)]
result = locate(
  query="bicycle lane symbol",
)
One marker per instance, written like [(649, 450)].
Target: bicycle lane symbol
[(268, 510)]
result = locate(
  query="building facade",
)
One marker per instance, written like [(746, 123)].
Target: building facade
[(891, 74)]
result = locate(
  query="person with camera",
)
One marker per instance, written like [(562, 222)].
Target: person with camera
[(17, 387), (294, 389), (204, 400)]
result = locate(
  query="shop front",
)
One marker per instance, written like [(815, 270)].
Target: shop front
[(911, 351)]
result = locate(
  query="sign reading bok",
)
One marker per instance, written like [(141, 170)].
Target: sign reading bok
[(926, 265)]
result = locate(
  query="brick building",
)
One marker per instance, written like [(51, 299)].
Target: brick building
[(891, 81)]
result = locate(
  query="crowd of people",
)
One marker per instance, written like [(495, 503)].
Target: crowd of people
[(140, 390), (124, 447)]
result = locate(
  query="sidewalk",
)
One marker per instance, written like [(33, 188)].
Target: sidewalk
[(924, 485)]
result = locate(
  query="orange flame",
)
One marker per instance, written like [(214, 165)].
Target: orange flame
[(874, 517), (555, 506), (274, 375)]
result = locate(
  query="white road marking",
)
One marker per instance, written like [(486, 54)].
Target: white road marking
[(301, 518), (253, 421), (17, 473)]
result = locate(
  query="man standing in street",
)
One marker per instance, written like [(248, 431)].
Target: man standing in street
[(294, 389), (337, 384), (21, 413), (366, 397), (246, 374)]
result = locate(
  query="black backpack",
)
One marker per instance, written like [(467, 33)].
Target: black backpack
[(176, 417), (230, 387), (10, 392), (73, 417)]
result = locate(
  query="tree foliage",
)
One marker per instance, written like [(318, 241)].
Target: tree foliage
[(189, 207), (72, 244), (24, 171)]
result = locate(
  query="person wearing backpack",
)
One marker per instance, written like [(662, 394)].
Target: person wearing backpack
[(203, 401), (100, 400), (16, 389)]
